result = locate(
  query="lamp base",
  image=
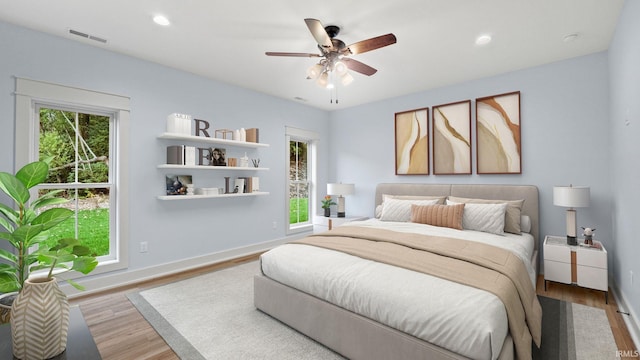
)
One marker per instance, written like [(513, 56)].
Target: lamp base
[(572, 240), (340, 214), (341, 211)]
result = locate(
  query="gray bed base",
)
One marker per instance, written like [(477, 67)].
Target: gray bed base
[(357, 337)]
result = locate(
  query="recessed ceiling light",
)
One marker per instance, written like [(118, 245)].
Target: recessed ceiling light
[(570, 37), (161, 20), (483, 40)]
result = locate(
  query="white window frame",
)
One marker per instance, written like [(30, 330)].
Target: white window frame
[(311, 138), (32, 93)]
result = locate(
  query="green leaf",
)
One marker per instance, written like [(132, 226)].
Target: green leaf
[(52, 217), (14, 188), (10, 214), (8, 283), (85, 265), (24, 234), (48, 201), (9, 256), (33, 174), (75, 284)]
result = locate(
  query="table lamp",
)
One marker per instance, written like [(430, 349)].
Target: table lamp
[(571, 197), (340, 190)]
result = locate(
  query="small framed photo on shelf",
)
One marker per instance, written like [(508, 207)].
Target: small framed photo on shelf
[(179, 185), (217, 157)]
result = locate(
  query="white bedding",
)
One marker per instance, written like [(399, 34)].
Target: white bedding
[(465, 320)]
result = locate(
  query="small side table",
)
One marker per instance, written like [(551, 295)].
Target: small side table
[(80, 343), (324, 223), (585, 266)]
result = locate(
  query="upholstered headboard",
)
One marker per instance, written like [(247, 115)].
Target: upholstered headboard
[(493, 192)]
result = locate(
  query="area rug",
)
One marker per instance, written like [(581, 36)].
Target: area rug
[(212, 317)]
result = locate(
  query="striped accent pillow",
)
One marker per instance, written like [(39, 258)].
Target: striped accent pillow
[(438, 215)]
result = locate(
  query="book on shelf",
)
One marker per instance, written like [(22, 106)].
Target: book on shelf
[(252, 135), (255, 183), (181, 155)]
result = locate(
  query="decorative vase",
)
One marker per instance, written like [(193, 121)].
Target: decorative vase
[(39, 320), (327, 212)]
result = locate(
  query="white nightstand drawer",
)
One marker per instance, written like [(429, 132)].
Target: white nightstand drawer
[(591, 257), (557, 271), (593, 278), (557, 253)]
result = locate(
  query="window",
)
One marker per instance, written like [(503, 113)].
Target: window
[(79, 145), (85, 133), (301, 179)]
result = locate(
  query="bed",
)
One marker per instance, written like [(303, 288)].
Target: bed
[(368, 308)]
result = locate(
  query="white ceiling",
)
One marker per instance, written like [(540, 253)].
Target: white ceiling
[(226, 40)]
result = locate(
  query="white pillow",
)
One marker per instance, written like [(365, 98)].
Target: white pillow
[(400, 210), (483, 217), (525, 223)]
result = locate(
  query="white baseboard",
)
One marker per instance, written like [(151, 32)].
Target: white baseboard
[(115, 280), (631, 320)]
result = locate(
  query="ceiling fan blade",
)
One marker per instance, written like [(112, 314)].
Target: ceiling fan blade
[(371, 44), (357, 66), (271, 53), (319, 33)]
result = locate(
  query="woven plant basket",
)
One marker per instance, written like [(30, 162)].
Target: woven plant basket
[(39, 320)]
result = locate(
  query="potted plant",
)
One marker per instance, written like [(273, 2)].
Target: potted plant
[(326, 205), (27, 223)]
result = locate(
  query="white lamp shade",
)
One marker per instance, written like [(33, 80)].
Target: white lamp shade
[(340, 189), (571, 196)]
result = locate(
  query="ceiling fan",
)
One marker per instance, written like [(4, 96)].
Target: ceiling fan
[(334, 53)]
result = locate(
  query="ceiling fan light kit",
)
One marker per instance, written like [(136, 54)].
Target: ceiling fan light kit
[(334, 54)]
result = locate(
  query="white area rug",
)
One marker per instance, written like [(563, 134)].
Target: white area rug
[(212, 317)]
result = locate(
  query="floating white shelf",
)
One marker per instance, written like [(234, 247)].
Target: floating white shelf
[(192, 197), (208, 140), (206, 167)]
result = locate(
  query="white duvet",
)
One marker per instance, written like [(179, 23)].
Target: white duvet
[(465, 320)]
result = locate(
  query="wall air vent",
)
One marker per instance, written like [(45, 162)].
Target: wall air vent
[(87, 36)]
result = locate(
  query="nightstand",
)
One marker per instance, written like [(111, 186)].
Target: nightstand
[(585, 266), (323, 223)]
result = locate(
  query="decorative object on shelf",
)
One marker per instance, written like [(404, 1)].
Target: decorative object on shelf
[(571, 197), (253, 135), (178, 184), (239, 185), (452, 138), (233, 162), (37, 333), (412, 142), (256, 162), (326, 205), (243, 134), (181, 155), (255, 184), (224, 134), (236, 135), (179, 124), (340, 190), (244, 161), (217, 157), (588, 235), (498, 139)]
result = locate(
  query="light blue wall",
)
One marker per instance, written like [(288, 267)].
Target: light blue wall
[(624, 125), (174, 230), (564, 111)]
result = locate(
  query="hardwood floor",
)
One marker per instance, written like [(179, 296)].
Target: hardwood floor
[(120, 332)]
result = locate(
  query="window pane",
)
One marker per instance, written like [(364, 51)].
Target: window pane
[(90, 223), (298, 203), (298, 160), (91, 147)]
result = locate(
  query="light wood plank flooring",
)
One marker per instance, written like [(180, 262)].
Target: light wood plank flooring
[(121, 332)]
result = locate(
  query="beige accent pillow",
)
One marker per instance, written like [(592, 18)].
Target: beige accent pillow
[(512, 215), (438, 215)]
